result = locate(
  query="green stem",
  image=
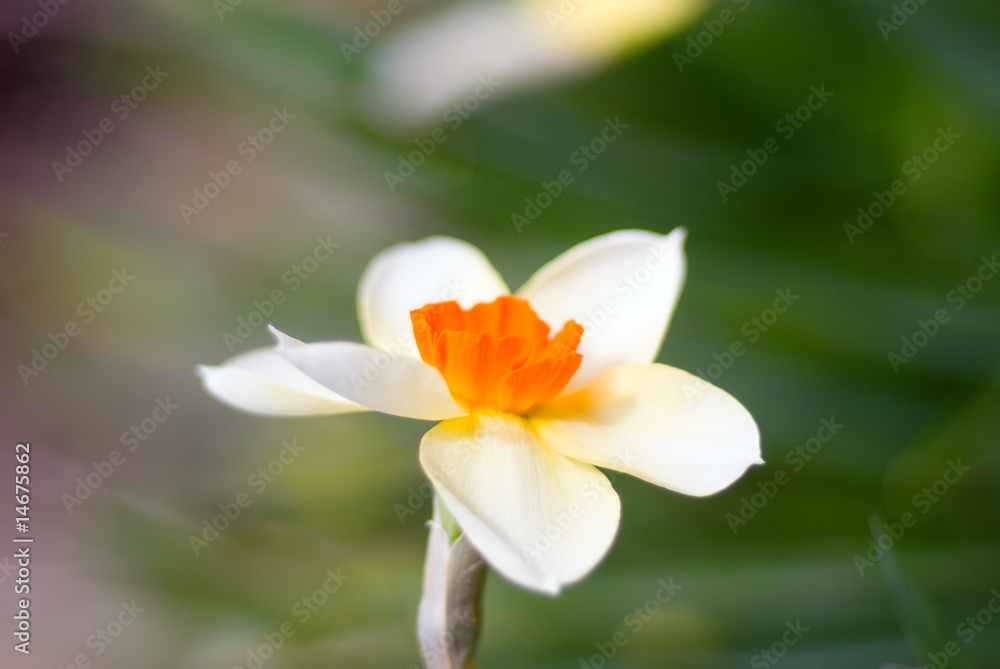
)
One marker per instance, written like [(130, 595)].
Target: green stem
[(450, 612)]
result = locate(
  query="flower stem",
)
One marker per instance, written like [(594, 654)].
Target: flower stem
[(450, 609)]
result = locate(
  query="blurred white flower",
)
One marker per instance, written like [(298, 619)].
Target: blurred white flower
[(526, 417), (421, 70)]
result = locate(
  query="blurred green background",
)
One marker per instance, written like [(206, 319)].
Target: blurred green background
[(340, 505)]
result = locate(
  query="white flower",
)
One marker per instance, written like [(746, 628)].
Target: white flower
[(440, 61), (526, 418)]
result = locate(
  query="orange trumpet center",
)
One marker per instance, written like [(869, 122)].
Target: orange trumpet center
[(497, 355)]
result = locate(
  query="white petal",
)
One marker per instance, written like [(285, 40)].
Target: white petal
[(607, 27), (468, 49), (540, 519), (658, 423), (412, 275), (621, 287), (399, 385), (264, 382)]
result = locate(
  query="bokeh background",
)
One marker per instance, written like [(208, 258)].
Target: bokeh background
[(701, 87)]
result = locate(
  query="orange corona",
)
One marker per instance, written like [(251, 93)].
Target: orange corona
[(497, 355)]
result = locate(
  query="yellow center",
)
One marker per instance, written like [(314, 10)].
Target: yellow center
[(497, 355)]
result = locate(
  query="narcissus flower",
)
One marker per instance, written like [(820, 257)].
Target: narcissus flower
[(457, 57), (527, 415)]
